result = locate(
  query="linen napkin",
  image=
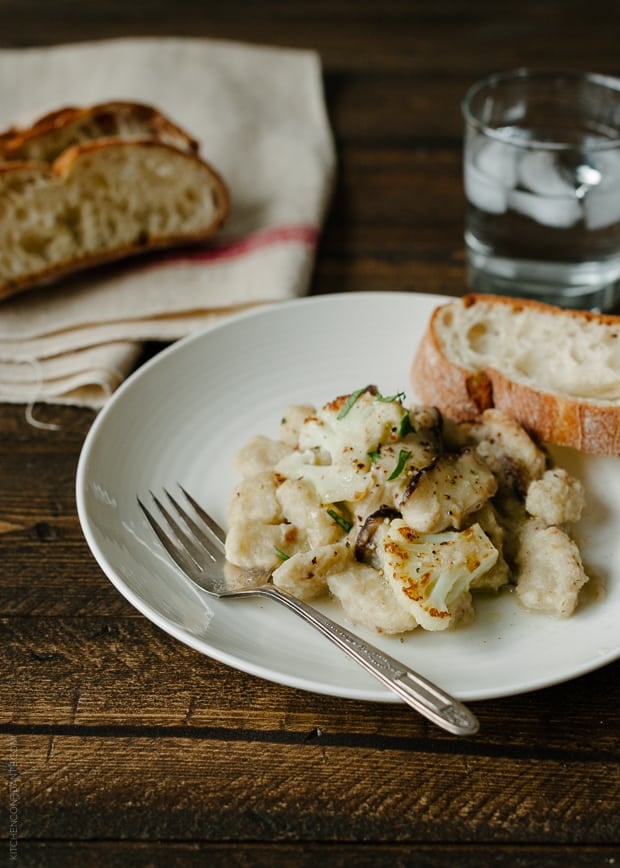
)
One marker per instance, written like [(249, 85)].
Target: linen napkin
[(259, 117)]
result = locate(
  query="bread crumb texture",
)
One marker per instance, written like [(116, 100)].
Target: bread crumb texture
[(567, 353)]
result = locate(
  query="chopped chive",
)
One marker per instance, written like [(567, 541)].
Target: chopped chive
[(350, 401), (340, 519), (374, 456), (405, 426), (403, 455), (282, 555)]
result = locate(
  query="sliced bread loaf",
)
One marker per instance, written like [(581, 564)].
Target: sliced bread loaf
[(555, 371), (102, 200)]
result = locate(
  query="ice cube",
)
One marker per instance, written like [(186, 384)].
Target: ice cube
[(602, 203), (607, 164), (486, 194), (601, 208), (555, 211), (490, 170), (540, 172), (497, 160)]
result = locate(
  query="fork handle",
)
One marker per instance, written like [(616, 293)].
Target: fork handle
[(428, 699)]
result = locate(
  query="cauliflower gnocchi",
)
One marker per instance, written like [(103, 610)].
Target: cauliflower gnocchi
[(404, 516)]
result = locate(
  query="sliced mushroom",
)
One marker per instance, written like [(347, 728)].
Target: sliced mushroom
[(366, 543)]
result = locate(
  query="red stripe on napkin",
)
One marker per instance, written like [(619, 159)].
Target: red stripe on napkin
[(232, 248)]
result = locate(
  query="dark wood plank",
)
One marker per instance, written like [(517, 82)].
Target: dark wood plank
[(430, 37), (52, 854), (304, 855), (115, 678), (250, 790)]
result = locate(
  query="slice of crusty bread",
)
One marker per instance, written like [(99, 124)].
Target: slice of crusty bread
[(555, 371), (56, 131), (102, 200)]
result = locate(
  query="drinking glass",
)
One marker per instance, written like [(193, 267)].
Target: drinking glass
[(542, 184)]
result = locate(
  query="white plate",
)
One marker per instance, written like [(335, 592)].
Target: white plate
[(182, 417)]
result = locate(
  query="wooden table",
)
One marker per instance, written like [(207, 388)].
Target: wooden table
[(130, 748)]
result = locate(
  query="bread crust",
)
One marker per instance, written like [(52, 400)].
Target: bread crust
[(463, 394), (55, 131), (441, 383), (519, 304), (551, 418), (68, 162)]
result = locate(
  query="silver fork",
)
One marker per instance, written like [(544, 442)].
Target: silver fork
[(195, 542)]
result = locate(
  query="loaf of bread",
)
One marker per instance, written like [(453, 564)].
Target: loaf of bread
[(555, 371), (82, 187)]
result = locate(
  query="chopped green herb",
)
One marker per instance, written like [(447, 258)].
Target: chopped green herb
[(340, 519), (350, 401), (388, 399), (282, 555), (403, 455), (405, 426), (374, 456)]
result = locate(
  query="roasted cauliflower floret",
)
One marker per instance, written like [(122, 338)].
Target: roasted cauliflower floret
[(431, 574), (368, 601), (336, 446), (550, 571), (360, 442), (556, 498)]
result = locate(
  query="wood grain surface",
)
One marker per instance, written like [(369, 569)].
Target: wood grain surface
[(122, 747)]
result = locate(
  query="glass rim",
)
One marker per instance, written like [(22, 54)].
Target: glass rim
[(492, 81)]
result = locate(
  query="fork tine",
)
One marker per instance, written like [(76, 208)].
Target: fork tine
[(218, 532), (204, 535), (193, 548), (178, 555)]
